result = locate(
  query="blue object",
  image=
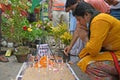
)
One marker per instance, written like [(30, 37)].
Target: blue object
[(72, 23), (115, 13)]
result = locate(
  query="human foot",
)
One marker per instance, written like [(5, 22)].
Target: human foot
[(3, 59)]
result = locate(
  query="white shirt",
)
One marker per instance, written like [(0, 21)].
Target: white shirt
[(116, 6)]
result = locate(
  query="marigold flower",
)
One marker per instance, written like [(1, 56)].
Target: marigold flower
[(66, 38), (29, 29)]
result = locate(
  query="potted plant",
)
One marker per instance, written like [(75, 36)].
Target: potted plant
[(15, 26), (17, 29), (61, 36), (12, 20), (21, 53), (12, 27)]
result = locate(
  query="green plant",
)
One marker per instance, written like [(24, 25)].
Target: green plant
[(22, 50), (31, 31), (59, 30), (66, 38), (45, 25), (12, 20), (16, 27), (21, 53)]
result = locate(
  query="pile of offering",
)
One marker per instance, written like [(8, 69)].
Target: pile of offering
[(46, 68), (44, 62)]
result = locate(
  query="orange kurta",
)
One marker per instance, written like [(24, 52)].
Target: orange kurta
[(105, 32), (99, 5)]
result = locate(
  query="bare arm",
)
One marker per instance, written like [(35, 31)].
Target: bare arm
[(74, 39), (80, 32)]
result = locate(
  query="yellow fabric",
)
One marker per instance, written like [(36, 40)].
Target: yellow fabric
[(104, 32)]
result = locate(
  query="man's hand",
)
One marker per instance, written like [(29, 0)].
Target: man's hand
[(67, 50)]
